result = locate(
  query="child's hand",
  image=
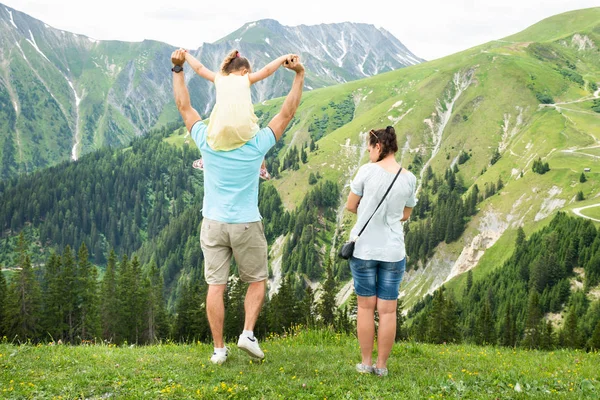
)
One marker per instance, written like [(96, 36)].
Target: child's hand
[(285, 58), (293, 62)]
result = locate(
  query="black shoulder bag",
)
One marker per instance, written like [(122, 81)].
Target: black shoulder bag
[(348, 248)]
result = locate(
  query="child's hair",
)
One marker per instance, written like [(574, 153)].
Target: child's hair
[(386, 138), (234, 62)]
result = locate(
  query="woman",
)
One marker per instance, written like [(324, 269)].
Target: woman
[(378, 261)]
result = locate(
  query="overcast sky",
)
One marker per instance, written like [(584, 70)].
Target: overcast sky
[(429, 28)]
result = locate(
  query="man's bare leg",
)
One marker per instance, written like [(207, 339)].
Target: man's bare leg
[(255, 296), (215, 311)]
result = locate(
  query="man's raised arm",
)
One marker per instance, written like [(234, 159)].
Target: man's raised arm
[(291, 102), (182, 96)]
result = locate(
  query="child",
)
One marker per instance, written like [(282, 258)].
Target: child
[(232, 120)]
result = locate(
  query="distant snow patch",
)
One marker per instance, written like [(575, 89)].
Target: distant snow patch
[(267, 54), (35, 46), (267, 40), (325, 48), (361, 67), (342, 44), (12, 21), (22, 52), (93, 40)]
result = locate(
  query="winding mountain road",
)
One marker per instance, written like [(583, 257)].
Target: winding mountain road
[(577, 212)]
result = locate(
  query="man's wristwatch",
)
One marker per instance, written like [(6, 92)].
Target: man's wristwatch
[(177, 68)]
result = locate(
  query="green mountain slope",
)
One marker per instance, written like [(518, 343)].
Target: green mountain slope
[(64, 94), (486, 99), (506, 104)]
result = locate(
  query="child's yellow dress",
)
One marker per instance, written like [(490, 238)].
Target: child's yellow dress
[(232, 120)]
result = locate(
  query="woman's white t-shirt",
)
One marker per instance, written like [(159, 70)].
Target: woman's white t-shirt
[(383, 239)]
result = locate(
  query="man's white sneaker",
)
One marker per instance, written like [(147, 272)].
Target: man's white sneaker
[(219, 358), (250, 346)]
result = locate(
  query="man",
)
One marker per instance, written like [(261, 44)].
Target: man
[(232, 223)]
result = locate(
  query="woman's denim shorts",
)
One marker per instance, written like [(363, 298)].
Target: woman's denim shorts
[(377, 278)]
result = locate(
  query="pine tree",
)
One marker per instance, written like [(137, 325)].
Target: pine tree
[(306, 310), (499, 184), (54, 307), (24, 302), (571, 336), (450, 318), (509, 329), (400, 319), (234, 308), (436, 332), (124, 288), (486, 332), (582, 178), (469, 283), (87, 302), (109, 310), (68, 287), (135, 301), (184, 321), (156, 324), (283, 307), (532, 323), (327, 304), (547, 336)]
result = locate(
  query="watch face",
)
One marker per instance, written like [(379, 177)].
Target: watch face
[(177, 68)]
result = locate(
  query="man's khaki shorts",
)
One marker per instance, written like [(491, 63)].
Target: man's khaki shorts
[(246, 242)]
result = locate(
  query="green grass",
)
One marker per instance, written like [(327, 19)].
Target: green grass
[(593, 212), (559, 26), (311, 365)]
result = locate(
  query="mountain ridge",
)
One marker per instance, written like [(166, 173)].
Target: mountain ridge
[(84, 93)]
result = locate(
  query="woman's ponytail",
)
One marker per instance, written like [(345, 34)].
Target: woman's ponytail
[(386, 139)]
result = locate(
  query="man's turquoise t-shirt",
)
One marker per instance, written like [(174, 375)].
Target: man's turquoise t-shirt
[(231, 177)]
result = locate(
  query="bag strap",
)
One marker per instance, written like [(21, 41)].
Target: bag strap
[(383, 198)]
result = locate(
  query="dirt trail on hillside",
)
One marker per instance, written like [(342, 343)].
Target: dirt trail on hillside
[(577, 212)]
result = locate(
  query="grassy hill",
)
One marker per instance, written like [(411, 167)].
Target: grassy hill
[(305, 364), (527, 96)]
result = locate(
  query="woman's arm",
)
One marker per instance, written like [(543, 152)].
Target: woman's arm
[(353, 202), (199, 67), (406, 213), (268, 69)]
